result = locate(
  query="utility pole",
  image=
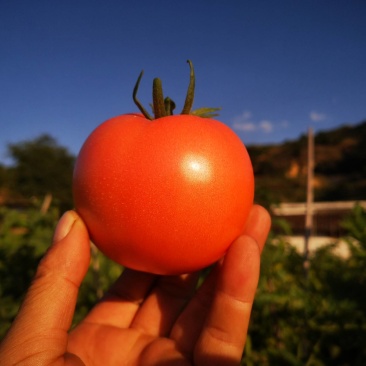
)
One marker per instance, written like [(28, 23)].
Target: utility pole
[(309, 199), (46, 203)]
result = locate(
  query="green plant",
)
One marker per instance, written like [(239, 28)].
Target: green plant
[(25, 236), (318, 318)]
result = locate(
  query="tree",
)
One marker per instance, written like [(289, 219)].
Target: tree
[(42, 167)]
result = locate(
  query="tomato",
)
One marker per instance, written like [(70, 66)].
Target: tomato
[(166, 196)]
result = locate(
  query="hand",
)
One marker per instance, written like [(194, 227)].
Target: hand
[(144, 319)]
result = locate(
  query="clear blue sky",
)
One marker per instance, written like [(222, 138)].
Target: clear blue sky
[(275, 67)]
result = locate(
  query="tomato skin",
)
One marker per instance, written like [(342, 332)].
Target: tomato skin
[(166, 196)]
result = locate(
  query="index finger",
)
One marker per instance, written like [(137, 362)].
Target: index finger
[(47, 311)]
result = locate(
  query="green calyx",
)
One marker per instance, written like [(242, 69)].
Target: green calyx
[(163, 107)]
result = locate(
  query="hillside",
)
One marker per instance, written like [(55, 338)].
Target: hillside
[(340, 167)]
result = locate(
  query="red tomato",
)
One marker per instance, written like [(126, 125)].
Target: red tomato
[(167, 196)]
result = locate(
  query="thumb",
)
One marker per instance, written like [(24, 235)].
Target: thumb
[(39, 332)]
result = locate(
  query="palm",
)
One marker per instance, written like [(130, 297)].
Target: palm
[(153, 320), (98, 345)]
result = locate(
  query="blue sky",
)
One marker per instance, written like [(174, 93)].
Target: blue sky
[(275, 67)]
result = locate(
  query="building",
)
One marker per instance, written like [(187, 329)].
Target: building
[(327, 222)]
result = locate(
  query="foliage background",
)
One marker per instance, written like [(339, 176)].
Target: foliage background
[(314, 317)]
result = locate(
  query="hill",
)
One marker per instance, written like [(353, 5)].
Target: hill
[(340, 167)]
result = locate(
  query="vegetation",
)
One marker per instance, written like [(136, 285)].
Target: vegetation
[(25, 237), (40, 167), (314, 317)]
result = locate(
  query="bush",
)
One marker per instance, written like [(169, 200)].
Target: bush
[(25, 237), (314, 317)]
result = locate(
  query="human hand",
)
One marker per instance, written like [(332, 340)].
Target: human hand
[(144, 319)]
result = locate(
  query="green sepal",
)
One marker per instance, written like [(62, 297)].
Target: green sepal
[(164, 107), (206, 112)]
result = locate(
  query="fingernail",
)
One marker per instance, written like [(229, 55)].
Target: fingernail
[(258, 225), (64, 226)]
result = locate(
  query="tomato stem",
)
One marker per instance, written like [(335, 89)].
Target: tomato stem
[(169, 106), (190, 92), (158, 99), (137, 102), (164, 107)]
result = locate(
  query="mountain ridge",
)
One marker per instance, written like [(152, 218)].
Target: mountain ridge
[(339, 166)]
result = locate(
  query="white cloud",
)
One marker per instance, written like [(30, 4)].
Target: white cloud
[(244, 123), (317, 117), (243, 118), (266, 126), (244, 126)]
